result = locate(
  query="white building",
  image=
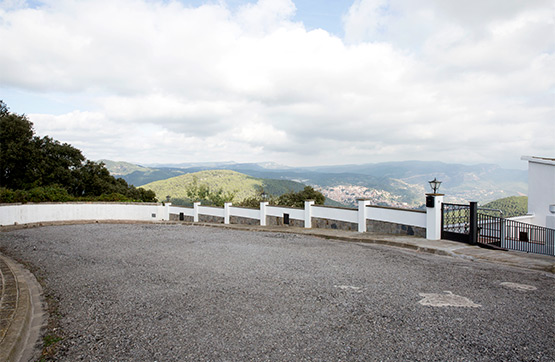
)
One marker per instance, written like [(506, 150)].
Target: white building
[(541, 191)]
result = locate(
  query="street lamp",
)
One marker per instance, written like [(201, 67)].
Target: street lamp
[(434, 184)]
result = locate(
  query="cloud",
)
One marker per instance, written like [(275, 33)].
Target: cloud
[(166, 82)]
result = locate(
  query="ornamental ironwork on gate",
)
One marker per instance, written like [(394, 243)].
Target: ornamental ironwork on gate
[(457, 222)]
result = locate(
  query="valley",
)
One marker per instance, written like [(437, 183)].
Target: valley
[(395, 184)]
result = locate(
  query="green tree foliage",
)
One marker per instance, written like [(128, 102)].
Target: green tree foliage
[(297, 199), (291, 199), (17, 151), (511, 206), (43, 169), (253, 202), (203, 193)]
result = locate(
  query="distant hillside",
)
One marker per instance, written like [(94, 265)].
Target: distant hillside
[(140, 175), (120, 168), (399, 184), (229, 181), (511, 206)]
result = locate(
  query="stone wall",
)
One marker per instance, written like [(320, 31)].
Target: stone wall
[(211, 219), (276, 220), (333, 224), (187, 218), (383, 227), (243, 220)]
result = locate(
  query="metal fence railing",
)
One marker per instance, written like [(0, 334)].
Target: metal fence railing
[(473, 225), (490, 229), (529, 238)]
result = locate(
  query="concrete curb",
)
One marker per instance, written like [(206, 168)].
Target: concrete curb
[(20, 342)]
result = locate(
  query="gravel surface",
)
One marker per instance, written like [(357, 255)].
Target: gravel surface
[(187, 293)]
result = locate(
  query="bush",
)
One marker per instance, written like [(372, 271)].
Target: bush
[(36, 194), (297, 199), (48, 194)]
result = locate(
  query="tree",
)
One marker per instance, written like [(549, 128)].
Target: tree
[(3, 108), (16, 150), (297, 199), (293, 199), (202, 193), (56, 162), (28, 162)]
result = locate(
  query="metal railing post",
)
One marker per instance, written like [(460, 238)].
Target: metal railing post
[(473, 237)]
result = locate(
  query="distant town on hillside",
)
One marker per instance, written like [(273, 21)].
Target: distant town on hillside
[(397, 184)]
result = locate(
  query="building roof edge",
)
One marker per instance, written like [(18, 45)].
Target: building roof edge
[(535, 159)]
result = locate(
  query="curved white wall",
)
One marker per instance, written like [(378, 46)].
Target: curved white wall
[(47, 212)]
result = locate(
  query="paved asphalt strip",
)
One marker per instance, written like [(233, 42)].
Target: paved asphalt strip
[(178, 292)]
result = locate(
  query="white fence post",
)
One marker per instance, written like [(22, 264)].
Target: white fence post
[(227, 205), (195, 211), (362, 213), (263, 206), (308, 213), (433, 217), (167, 211)]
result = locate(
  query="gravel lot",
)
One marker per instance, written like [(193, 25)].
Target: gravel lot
[(187, 293)]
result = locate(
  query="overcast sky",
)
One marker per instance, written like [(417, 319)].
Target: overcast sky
[(298, 82)]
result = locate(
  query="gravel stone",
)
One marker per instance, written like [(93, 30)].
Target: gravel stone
[(188, 293)]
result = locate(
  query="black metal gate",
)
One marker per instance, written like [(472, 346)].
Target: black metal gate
[(466, 224), (469, 224), (458, 222), (490, 230)]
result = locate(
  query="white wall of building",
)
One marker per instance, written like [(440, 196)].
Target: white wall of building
[(541, 190)]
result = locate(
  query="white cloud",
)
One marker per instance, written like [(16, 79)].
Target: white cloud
[(169, 83)]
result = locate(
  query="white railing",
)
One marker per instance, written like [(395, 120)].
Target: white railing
[(277, 211), (397, 216), (245, 212), (11, 214), (346, 215)]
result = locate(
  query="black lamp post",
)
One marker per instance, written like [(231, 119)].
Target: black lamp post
[(434, 184)]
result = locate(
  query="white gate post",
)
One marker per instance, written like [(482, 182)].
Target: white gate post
[(227, 205), (433, 216), (167, 211), (195, 211), (362, 214), (308, 213), (263, 205)]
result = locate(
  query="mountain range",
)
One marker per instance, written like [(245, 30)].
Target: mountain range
[(400, 184)]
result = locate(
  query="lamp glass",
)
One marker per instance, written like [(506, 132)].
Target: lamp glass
[(434, 184)]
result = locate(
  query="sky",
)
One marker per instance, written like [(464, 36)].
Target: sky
[(296, 82)]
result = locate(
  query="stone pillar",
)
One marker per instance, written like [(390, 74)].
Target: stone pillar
[(362, 214), (227, 205), (263, 205), (195, 211), (433, 216), (308, 213)]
